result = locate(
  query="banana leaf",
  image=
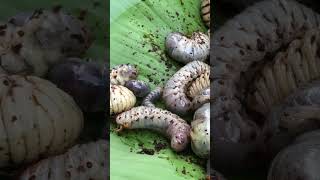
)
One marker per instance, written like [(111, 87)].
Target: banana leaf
[(137, 34)]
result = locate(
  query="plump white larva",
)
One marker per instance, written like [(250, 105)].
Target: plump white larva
[(81, 162), (244, 41), (121, 99), (174, 93), (120, 74), (205, 12), (154, 95), (37, 119), (202, 98), (200, 131), (198, 85), (184, 49), (159, 120), (296, 66)]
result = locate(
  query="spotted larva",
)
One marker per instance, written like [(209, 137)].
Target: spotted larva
[(121, 99), (174, 94), (158, 120), (245, 41), (86, 161), (120, 74), (198, 85), (154, 95), (202, 98), (290, 69), (37, 119), (200, 131), (205, 12), (184, 49)]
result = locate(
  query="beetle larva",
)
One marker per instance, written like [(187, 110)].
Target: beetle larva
[(297, 160), (158, 120), (120, 74), (121, 99), (37, 119), (86, 161), (55, 29), (291, 69), (205, 12), (138, 87), (183, 49), (200, 131), (174, 93), (154, 95), (198, 85), (244, 41), (202, 98)]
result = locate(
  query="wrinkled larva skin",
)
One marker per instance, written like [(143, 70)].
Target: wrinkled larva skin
[(202, 98), (153, 96), (120, 74), (299, 113), (243, 41), (159, 120), (37, 119), (83, 81), (174, 93), (200, 131), (55, 29), (121, 99), (291, 69), (138, 87), (86, 161), (198, 85), (205, 12), (185, 50), (298, 161)]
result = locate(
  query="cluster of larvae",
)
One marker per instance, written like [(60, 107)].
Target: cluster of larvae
[(43, 118), (188, 90), (265, 63)]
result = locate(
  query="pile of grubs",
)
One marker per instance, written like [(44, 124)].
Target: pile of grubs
[(186, 92), (46, 91), (266, 112)]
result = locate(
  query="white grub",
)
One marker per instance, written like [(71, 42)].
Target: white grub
[(85, 161), (198, 85), (205, 12), (200, 131), (202, 98), (121, 99), (153, 96), (122, 73), (174, 92), (37, 119), (162, 121), (184, 49)]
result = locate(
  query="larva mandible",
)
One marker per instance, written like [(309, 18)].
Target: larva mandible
[(198, 85), (154, 95), (121, 99), (200, 131), (138, 87), (37, 119), (85, 161), (174, 93), (246, 39), (205, 12), (159, 120), (202, 98), (296, 66), (184, 49), (120, 74)]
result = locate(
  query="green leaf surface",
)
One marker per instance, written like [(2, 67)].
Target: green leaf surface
[(138, 31)]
